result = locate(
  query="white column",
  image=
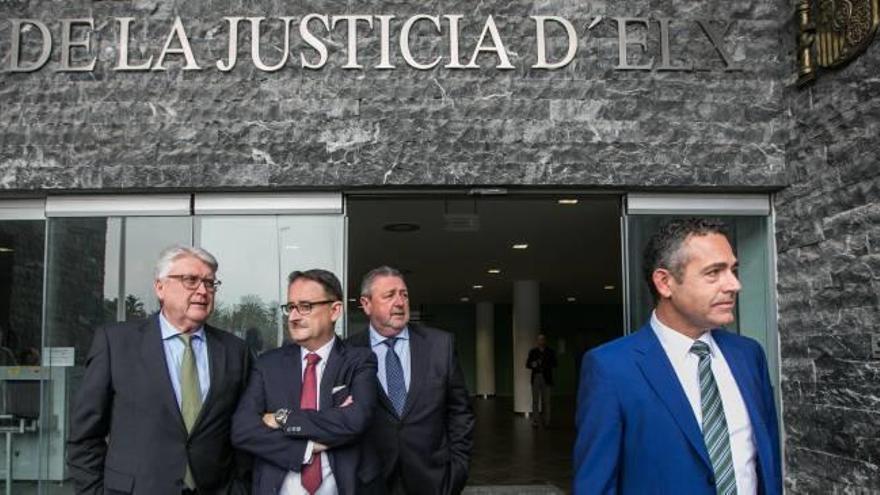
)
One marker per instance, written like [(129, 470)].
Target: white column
[(485, 349), (526, 320)]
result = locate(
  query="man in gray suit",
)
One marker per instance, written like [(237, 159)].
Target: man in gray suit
[(155, 406)]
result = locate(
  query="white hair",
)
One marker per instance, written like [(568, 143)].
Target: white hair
[(171, 254)]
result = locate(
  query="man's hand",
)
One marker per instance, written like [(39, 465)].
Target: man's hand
[(269, 420)]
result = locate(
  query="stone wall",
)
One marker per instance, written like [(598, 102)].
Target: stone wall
[(828, 238), (587, 124)]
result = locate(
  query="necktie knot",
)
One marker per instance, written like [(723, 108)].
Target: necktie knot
[(186, 338), (701, 349), (390, 341), (312, 358)]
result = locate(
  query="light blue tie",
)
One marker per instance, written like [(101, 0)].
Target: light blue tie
[(714, 424), (394, 377)]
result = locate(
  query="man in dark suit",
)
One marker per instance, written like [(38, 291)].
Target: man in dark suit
[(541, 360), (682, 405), (308, 403), (154, 409), (423, 428)]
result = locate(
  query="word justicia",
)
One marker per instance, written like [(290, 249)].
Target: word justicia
[(392, 42)]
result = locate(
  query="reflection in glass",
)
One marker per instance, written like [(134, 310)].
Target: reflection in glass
[(21, 294), (93, 264)]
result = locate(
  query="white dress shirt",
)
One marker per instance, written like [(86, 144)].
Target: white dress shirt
[(739, 427), (292, 484)]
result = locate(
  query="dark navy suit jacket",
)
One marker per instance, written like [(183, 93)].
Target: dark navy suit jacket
[(637, 433), (275, 383)]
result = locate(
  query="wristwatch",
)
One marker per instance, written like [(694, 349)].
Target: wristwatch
[(281, 416)]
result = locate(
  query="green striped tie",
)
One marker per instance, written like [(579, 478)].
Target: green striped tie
[(190, 394), (715, 424)]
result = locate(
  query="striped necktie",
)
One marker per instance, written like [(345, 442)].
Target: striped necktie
[(190, 395), (714, 424)]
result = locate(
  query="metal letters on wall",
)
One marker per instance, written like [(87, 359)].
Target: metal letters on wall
[(833, 32)]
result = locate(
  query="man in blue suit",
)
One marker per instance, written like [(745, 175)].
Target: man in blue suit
[(682, 406), (307, 403)]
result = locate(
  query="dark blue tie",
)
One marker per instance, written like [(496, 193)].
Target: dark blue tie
[(394, 377)]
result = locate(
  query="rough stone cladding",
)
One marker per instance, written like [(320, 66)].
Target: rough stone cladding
[(828, 238), (584, 125)]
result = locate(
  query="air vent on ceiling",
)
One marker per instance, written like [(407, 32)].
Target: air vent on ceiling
[(462, 222)]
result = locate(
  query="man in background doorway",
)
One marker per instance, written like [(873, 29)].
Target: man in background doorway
[(682, 405), (541, 361), (162, 390), (423, 427)]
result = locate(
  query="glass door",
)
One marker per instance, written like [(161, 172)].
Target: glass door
[(749, 222), (100, 257)]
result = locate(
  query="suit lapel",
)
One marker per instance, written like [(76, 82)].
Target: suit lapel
[(331, 369), (293, 356), (156, 365), (419, 354), (658, 371), (216, 370), (739, 367)]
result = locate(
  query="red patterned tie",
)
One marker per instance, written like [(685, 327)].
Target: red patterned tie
[(311, 475)]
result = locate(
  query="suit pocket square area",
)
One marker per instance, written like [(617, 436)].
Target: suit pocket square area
[(337, 388)]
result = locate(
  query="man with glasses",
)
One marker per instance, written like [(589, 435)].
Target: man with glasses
[(308, 403), (155, 406)]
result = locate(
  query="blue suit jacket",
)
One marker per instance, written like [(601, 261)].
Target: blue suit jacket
[(637, 433), (275, 383)]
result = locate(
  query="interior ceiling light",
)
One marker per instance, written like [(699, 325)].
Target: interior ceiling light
[(609, 287), (568, 201), (570, 299), (465, 299), (401, 227), (494, 271), (520, 246), (478, 286), (4, 249)]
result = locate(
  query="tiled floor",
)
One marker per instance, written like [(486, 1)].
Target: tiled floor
[(508, 451)]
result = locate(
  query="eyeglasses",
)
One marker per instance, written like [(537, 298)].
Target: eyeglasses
[(191, 282), (303, 308)]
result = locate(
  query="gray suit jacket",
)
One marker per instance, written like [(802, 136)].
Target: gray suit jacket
[(126, 431)]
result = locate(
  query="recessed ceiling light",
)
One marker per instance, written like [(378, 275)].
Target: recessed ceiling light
[(494, 271), (352, 299), (571, 299), (520, 246), (6, 250), (568, 201), (401, 227), (465, 299), (477, 286), (609, 287)]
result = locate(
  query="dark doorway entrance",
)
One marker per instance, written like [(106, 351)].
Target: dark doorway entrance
[(460, 251)]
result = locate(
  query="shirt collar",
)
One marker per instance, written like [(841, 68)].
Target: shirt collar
[(323, 351), (675, 343), (169, 331), (376, 338)]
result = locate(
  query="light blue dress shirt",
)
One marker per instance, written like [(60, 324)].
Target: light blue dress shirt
[(174, 348), (401, 348)]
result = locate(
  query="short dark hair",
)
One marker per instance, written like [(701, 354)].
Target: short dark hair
[(664, 247), (326, 278), (382, 271)]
